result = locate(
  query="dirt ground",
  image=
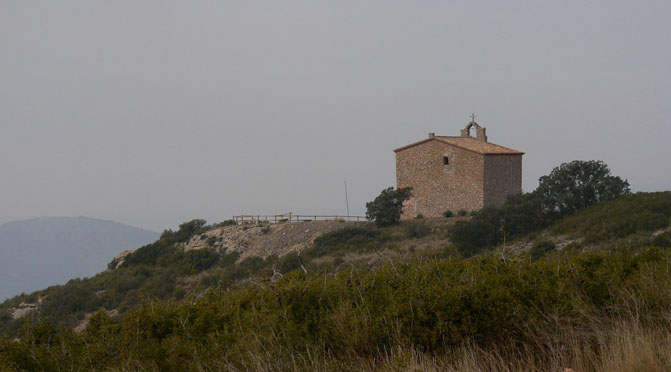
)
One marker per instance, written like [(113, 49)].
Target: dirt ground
[(266, 240)]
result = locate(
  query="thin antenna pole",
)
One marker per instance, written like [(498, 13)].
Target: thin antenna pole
[(346, 200)]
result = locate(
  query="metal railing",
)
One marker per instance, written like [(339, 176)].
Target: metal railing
[(290, 217)]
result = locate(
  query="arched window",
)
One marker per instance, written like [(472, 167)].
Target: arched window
[(446, 160)]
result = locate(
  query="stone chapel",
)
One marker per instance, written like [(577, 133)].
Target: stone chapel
[(453, 173)]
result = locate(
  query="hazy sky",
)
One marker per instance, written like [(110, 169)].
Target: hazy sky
[(155, 112)]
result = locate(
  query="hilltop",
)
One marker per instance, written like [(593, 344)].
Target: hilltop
[(198, 256)]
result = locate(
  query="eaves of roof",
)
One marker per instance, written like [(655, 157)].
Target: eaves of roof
[(493, 149)]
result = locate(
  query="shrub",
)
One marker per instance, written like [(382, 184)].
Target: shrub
[(345, 239), (419, 216), (187, 229), (228, 259), (197, 260), (387, 207), (179, 293), (516, 217), (149, 254), (159, 285), (448, 214), (248, 266), (416, 229), (288, 262), (662, 240), (112, 264), (462, 212), (210, 280), (164, 248), (541, 248), (253, 263), (226, 223), (471, 237)]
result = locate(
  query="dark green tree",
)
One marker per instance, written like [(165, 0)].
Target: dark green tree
[(191, 227), (578, 184), (387, 207)]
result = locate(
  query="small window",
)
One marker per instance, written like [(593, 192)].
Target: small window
[(446, 160)]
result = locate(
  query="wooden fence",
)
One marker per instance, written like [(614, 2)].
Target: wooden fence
[(290, 217)]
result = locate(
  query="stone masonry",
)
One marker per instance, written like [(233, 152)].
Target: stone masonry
[(457, 173)]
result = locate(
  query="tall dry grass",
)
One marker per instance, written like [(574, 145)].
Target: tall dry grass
[(624, 346), (620, 347)]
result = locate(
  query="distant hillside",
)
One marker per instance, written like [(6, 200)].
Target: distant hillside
[(40, 252)]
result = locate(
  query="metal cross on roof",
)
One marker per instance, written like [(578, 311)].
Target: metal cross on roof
[(473, 116)]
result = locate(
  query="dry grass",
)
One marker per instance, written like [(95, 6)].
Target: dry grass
[(620, 347), (627, 347)]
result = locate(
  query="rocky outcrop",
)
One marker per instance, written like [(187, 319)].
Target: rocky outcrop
[(263, 240), (26, 308), (258, 240), (119, 259)]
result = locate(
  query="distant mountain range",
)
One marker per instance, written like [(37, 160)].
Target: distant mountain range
[(40, 252)]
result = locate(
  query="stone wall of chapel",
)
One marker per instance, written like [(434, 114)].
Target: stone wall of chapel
[(503, 176), (438, 187)]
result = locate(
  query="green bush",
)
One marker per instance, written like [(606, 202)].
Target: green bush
[(448, 214), (348, 239), (387, 207), (228, 259), (197, 260), (471, 237), (164, 247), (150, 254), (662, 240), (416, 229), (288, 262), (113, 264), (249, 266), (226, 223), (462, 212), (541, 248)]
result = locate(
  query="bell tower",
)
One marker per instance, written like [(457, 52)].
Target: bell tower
[(480, 132)]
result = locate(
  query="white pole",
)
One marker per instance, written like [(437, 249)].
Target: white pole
[(346, 200)]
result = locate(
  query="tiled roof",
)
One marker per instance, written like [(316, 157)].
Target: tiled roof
[(470, 144)]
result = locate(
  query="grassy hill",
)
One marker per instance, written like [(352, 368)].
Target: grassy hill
[(591, 292)]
